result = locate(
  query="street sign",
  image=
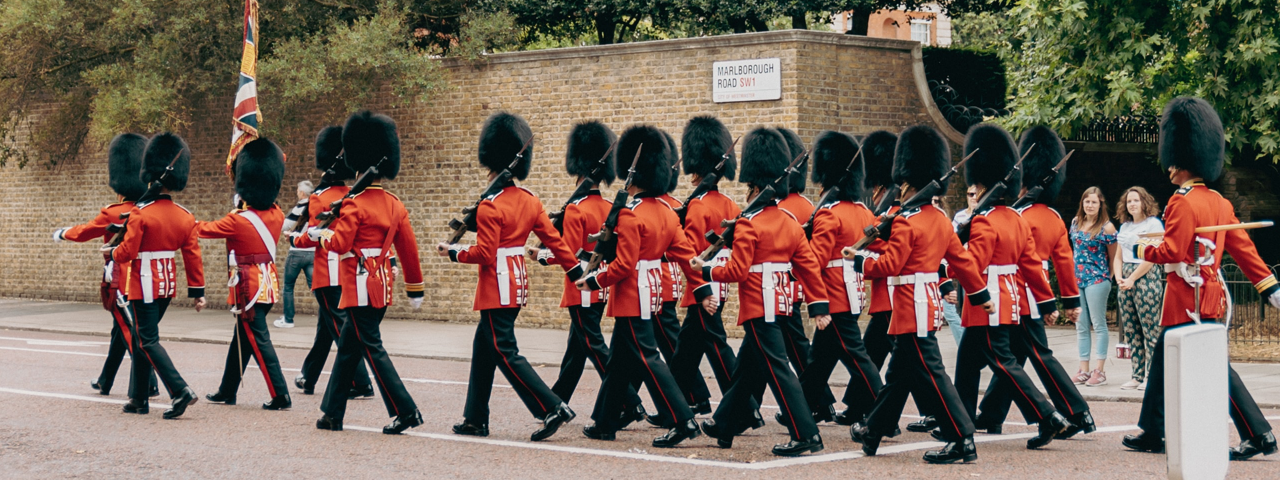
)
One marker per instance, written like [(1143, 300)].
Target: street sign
[(746, 80)]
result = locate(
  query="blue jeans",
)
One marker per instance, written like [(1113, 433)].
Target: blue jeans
[(952, 314), (299, 261), (1093, 321)]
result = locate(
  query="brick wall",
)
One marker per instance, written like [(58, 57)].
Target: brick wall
[(829, 81)]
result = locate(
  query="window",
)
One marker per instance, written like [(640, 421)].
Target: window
[(920, 31)]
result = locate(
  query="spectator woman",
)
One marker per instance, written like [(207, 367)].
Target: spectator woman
[(1093, 239), (1141, 285)]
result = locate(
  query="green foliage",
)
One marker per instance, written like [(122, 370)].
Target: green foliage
[(1073, 60), (484, 32), (982, 31)]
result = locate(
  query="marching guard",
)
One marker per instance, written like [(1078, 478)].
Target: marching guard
[(124, 160), (370, 223), (667, 330), (793, 335), (1191, 150), (157, 228), (252, 231), (879, 162)]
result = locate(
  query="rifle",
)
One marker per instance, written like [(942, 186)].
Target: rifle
[(501, 181), (765, 198), (831, 194), (1034, 193), (367, 178), (989, 199), (922, 196), (708, 182), (325, 180), (153, 190), (606, 241)]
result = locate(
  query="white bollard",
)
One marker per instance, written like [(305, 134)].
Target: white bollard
[(1195, 402)]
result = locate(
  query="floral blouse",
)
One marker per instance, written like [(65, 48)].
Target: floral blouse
[(1090, 254)]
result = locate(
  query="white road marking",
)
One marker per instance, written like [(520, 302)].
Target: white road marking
[(84, 398), (59, 343), (87, 354)]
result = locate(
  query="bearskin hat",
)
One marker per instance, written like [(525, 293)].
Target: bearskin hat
[(1048, 152), (369, 138), (796, 182), (500, 140), (1191, 138), (259, 172), (653, 168), (832, 152), (921, 156), (674, 156), (124, 161), (329, 154), (877, 157), (765, 157), (704, 142), (162, 149), (995, 158), (588, 141)]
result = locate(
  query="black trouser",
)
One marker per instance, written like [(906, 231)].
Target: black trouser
[(794, 338), (494, 346), (987, 346), (328, 328), (635, 355), (586, 342), (252, 340), (1244, 411), (877, 339), (763, 360), (121, 342), (702, 334), (361, 337), (667, 331), (916, 368), (1029, 342), (841, 342), (146, 338)]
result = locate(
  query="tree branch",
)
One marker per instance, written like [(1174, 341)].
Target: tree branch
[(75, 62)]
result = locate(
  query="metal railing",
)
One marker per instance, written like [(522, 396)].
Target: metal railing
[(1252, 320), (1121, 129)]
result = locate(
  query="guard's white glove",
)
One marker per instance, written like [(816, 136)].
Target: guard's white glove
[(1274, 299), (57, 235), (415, 302), (545, 255), (314, 233)]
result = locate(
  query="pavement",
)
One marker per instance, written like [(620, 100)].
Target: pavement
[(541, 346)]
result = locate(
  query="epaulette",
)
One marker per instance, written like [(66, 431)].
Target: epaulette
[(699, 197), (112, 205), (664, 202), (635, 202), (752, 215), (579, 200), (527, 190), (392, 195), (1024, 208), (318, 191), (789, 214), (829, 205), (985, 212), (182, 207), (909, 213), (491, 197), (1183, 190)]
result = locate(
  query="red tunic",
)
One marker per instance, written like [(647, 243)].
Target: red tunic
[(155, 231), (110, 215), (801, 208), (250, 257), (1000, 244), (921, 238), (880, 300), (325, 270), (702, 215), (836, 226), (1193, 206), (1053, 245), (582, 218), (360, 232), (769, 247), (672, 286), (647, 229), (503, 223)]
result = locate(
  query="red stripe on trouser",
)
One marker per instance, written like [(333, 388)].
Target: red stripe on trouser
[(702, 319), (494, 331), (657, 386), (1241, 414), (777, 386), (587, 340), (1010, 376), (1052, 379), (257, 354), (148, 355), (936, 389), (377, 376), (854, 361), (124, 328)]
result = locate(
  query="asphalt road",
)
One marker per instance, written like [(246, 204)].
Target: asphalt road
[(53, 425)]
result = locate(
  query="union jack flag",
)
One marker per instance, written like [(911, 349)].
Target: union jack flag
[(246, 117)]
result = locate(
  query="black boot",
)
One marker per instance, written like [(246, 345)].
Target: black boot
[(473, 429), (1050, 426), (702, 408), (1080, 422), (631, 415), (1143, 442), (280, 402), (1264, 444), (724, 439), (992, 427), (360, 392), (796, 448), (560, 416), (923, 425), (962, 451), (683, 431), (402, 423), (596, 432), (757, 421), (155, 391), (659, 421), (138, 406), (300, 381), (824, 414), (847, 418), (870, 440), (102, 388), (329, 423), (185, 399), (220, 398)]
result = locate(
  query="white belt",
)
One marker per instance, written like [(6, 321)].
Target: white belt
[(921, 297), (332, 260), (994, 272), (1032, 308), (649, 274), (364, 252), (504, 272), (148, 294), (769, 287), (586, 294), (719, 260), (362, 275), (853, 284)]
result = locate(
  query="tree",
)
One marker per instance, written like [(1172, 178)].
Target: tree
[(73, 72), (1072, 61)]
